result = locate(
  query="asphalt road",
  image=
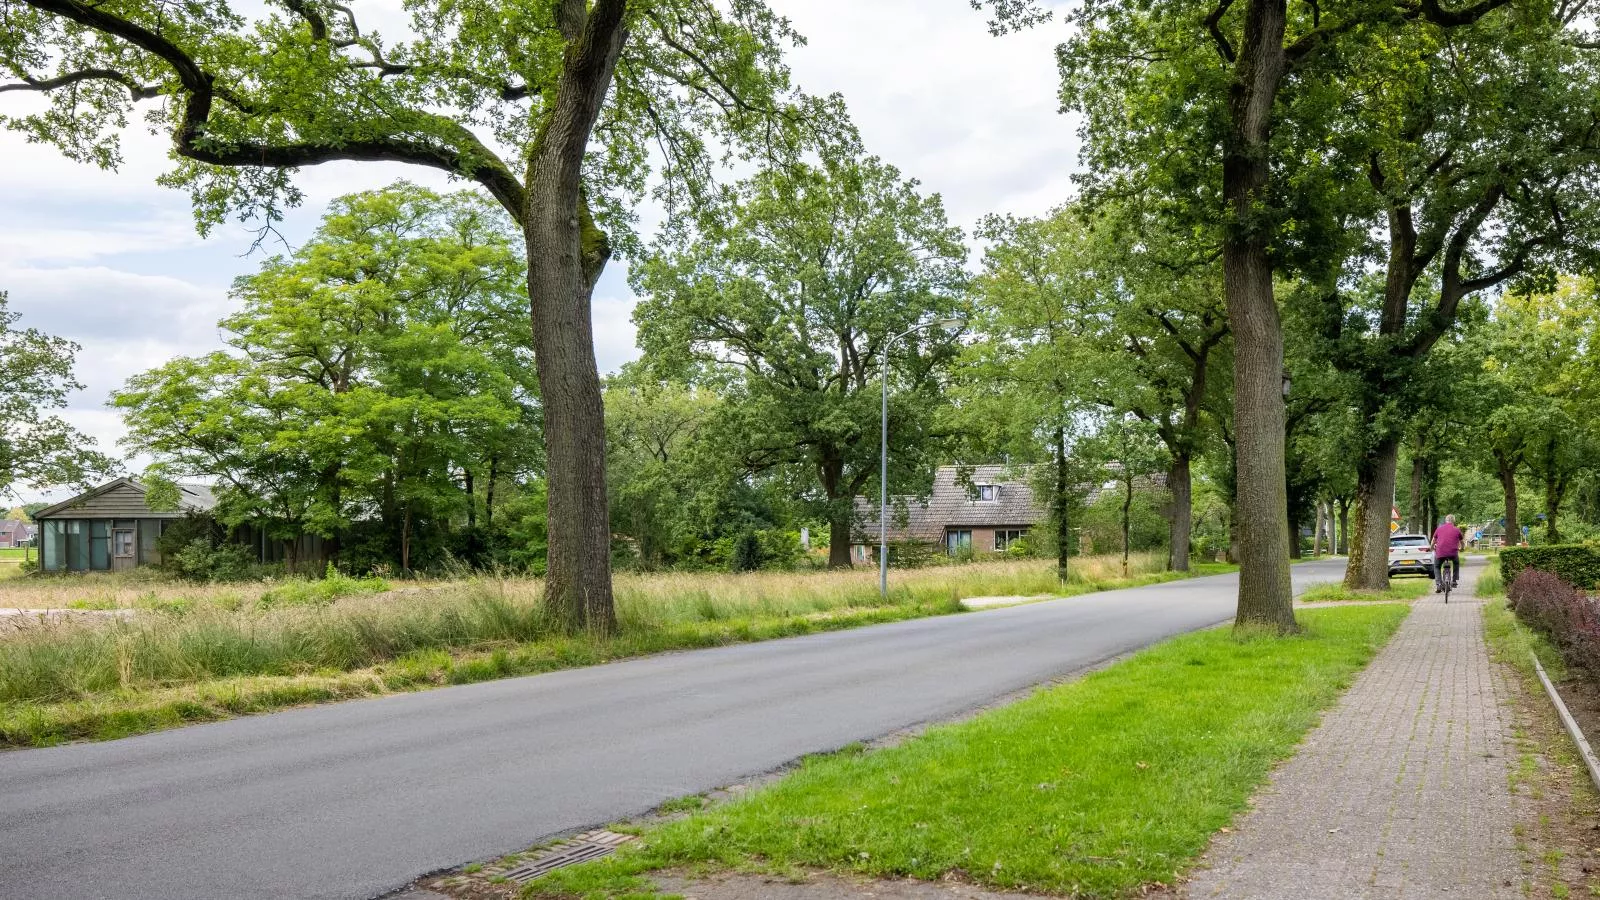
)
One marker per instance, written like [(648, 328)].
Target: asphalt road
[(356, 799)]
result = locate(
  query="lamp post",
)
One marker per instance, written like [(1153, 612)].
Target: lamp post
[(883, 458)]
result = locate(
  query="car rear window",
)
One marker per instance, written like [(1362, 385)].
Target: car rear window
[(1408, 542)]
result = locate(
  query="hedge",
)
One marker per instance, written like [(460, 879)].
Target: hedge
[(1577, 564), (1567, 616)]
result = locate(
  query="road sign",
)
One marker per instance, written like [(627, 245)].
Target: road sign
[(1393, 527)]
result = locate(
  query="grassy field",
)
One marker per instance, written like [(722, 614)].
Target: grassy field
[(200, 653), (1399, 591), (1095, 788), (146, 588)]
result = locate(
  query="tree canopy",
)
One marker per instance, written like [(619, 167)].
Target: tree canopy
[(38, 448), (788, 291)]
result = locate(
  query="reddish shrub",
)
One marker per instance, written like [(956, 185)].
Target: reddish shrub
[(1567, 616)]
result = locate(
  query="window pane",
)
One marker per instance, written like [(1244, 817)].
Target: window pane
[(53, 551), (77, 546), (149, 530), (99, 542)]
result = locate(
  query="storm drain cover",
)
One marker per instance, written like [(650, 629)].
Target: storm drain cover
[(584, 847)]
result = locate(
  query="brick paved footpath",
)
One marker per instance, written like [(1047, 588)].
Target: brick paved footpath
[(1403, 790)]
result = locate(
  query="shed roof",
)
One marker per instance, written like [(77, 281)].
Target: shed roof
[(192, 498)]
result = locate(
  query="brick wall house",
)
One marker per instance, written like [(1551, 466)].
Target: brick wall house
[(985, 511)]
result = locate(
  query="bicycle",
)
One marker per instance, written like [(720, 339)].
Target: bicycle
[(1442, 582)]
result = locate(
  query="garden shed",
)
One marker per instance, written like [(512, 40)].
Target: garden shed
[(110, 528)]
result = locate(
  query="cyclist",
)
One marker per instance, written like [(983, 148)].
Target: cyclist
[(1447, 548)]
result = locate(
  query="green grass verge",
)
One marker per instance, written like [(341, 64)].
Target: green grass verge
[(1095, 788), (1398, 591), (1511, 642)]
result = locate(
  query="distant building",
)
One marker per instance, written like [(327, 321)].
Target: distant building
[(983, 513), (15, 533), (112, 528)]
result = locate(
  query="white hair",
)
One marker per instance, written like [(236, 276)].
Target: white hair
[(1451, 519)]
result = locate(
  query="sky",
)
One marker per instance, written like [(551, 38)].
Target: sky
[(112, 261)]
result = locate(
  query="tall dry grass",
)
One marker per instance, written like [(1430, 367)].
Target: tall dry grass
[(170, 644)]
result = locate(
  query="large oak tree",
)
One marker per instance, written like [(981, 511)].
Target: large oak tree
[(556, 107), (1182, 103), (786, 292)]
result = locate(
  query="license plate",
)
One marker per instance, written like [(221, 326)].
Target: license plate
[(1408, 562)]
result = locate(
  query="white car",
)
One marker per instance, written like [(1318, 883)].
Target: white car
[(1409, 554)]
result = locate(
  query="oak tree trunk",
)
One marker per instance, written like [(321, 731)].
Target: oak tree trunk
[(566, 254), (1508, 484), (1317, 530), (1368, 569), (1266, 597), (1127, 514), (488, 492), (1418, 512), (1180, 484), (839, 540), (1553, 491), (1063, 533), (830, 471), (1344, 525)]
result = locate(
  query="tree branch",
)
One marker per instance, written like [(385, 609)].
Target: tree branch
[(1449, 18), (136, 90), (192, 141), (1213, 24)]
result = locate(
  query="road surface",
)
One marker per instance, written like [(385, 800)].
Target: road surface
[(353, 800)]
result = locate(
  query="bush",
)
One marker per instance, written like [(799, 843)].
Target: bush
[(201, 561), (334, 586), (746, 552), (1577, 564), (1567, 616)]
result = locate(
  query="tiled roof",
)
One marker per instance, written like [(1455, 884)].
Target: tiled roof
[(950, 502)]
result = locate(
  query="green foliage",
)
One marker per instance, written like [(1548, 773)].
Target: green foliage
[(746, 552), (1578, 564), (334, 585), (913, 554), (201, 560), (366, 372), (252, 94), (40, 449), (1101, 522), (782, 295)]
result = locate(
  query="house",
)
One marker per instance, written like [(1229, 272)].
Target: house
[(110, 528), (982, 513), (15, 533)]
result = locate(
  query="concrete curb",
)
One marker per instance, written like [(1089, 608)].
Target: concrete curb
[(1571, 724)]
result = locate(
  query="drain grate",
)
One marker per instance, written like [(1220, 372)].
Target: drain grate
[(584, 847)]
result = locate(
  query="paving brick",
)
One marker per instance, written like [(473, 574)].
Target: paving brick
[(1403, 789)]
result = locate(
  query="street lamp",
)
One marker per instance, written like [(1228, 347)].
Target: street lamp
[(883, 457)]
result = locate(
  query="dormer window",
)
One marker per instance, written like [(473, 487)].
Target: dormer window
[(987, 492)]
